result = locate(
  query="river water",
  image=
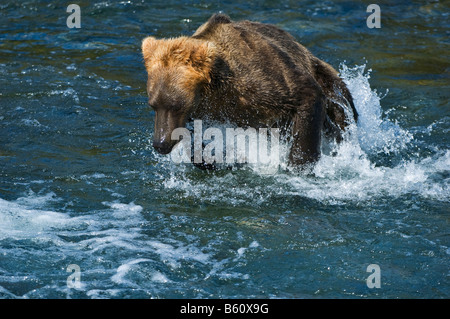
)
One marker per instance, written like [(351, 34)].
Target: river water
[(80, 183)]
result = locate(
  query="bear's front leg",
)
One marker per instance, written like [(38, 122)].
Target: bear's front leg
[(306, 131)]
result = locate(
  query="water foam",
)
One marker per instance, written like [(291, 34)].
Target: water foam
[(19, 219)]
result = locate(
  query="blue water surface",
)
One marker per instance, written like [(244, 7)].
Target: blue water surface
[(81, 184)]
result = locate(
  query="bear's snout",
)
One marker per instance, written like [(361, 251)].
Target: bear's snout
[(163, 147), (166, 121)]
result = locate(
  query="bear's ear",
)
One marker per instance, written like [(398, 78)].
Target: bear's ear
[(202, 57), (148, 47)]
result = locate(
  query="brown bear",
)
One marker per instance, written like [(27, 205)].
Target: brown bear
[(250, 74)]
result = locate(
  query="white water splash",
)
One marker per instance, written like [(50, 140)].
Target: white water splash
[(346, 173), (375, 133)]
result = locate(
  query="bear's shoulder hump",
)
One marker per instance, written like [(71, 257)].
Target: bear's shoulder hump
[(219, 18), (207, 29)]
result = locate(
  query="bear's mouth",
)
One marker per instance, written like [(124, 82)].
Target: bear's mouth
[(164, 148)]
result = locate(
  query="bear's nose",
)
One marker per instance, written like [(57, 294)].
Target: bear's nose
[(162, 147)]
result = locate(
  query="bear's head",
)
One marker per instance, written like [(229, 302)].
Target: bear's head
[(177, 70)]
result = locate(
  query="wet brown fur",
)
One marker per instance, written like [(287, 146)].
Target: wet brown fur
[(247, 73)]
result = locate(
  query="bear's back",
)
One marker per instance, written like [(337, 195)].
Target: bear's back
[(247, 39), (266, 61)]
